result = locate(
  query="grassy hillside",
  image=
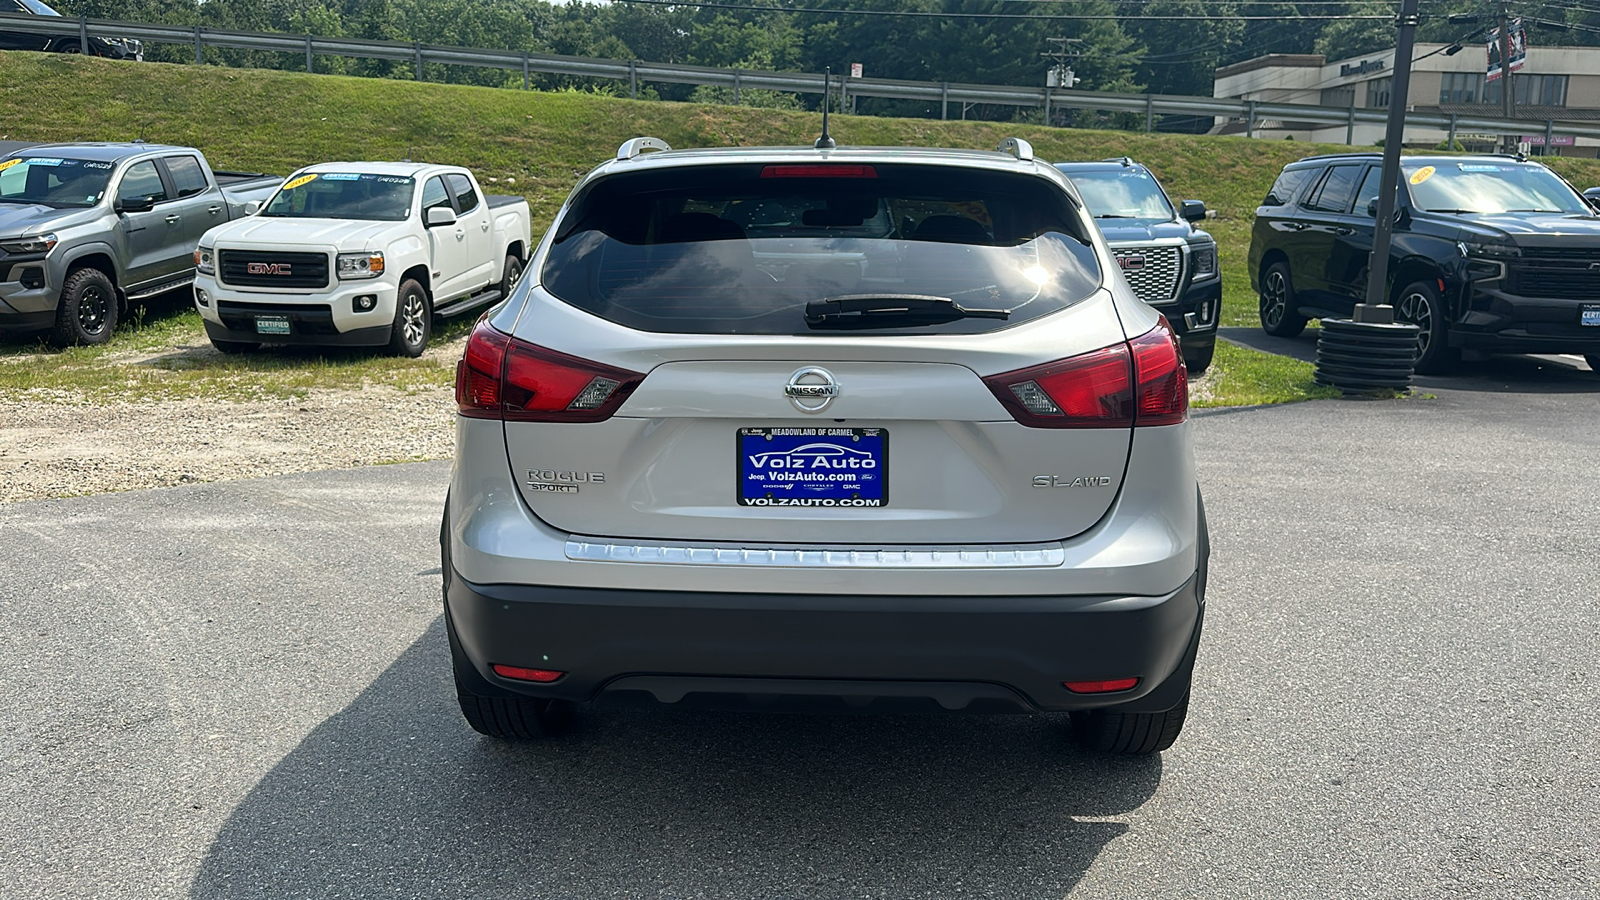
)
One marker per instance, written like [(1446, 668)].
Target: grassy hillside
[(538, 144)]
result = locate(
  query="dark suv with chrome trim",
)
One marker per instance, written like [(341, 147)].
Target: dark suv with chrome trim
[(1492, 253), (1168, 261)]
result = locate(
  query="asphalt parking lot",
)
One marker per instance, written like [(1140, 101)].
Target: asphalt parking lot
[(242, 690)]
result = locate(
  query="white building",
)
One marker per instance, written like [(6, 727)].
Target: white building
[(1559, 83)]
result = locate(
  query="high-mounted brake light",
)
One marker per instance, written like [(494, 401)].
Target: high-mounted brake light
[(1139, 382), (501, 377), (829, 170)]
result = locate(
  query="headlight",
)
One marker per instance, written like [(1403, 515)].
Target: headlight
[(1491, 251), (39, 243), (1205, 261), (360, 265), (205, 261)]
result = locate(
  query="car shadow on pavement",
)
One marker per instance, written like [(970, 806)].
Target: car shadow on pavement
[(394, 796), (1511, 374)]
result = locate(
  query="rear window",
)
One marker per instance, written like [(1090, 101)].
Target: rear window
[(1287, 186), (743, 249)]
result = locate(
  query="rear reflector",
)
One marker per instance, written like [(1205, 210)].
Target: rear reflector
[(543, 676), (1095, 687), (830, 170), (501, 377), (1139, 382)]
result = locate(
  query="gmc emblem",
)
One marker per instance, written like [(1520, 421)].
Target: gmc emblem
[(1130, 263), (268, 269)]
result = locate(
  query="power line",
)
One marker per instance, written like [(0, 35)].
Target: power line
[(955, 15)]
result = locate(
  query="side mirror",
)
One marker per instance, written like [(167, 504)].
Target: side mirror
[(440, 215), (252, 207), (135, 204), (1192, 210), (1372, 207)]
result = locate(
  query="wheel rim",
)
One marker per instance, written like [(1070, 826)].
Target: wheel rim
[(413, 319), (93, 308), (1417, 309), (513, 275), (1274, 299)]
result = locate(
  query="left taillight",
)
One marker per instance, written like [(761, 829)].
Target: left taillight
[(501, 377), (1137, 382)]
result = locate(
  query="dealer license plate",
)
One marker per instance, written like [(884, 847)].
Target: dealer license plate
[(272, 324), (813, 466), (1590, 315)]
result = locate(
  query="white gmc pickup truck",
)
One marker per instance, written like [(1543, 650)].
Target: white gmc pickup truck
[(359, 254)]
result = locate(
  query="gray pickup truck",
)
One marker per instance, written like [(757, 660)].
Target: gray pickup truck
[(86, 229)]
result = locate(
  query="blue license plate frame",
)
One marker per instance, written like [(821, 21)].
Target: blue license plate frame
[(812, 467)]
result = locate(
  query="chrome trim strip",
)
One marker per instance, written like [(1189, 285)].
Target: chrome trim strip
[(999, 556)]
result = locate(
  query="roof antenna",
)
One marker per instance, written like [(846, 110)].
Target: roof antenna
[(826, 141), (408, 155)]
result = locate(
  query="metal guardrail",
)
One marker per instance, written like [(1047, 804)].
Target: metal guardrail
[(1252, 113)]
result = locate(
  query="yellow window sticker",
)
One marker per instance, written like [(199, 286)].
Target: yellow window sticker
[(8, 164), (1422, 174), (307, 179)]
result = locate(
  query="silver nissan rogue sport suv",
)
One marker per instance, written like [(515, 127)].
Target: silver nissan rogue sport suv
[(854, 428)]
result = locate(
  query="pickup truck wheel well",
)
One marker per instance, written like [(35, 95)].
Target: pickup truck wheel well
[(516, 250), (420, 275), (103, 263)]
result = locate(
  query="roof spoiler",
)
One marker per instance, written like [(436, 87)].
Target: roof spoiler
[(631, 149), (1017, 147)]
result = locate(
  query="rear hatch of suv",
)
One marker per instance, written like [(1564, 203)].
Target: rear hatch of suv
[(821, 353)]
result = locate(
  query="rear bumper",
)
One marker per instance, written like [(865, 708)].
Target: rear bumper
[(985, 654)]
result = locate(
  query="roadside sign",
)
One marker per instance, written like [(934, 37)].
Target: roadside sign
[(855, 70), (1519, 48), (1556, 140)]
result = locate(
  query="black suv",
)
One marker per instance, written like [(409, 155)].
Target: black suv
[(114, 48), (1169, 263), (1490, 253)]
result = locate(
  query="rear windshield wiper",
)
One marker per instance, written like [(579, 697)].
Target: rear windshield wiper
[(882, 310)]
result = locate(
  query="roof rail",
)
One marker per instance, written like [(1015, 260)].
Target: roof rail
[(638, 145), (1124, 161), (1017, 147)]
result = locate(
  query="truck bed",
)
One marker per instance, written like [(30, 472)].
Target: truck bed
[(498, 200)]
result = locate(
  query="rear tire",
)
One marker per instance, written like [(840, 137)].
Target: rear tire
[(510, 275), (1130, 733), (87, 313), (1197, 361), (1279, 316), (234, 348), (413, 320)]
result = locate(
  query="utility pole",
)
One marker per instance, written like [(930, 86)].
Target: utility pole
[(1060, 75), (1377, 308), (1505, 61)]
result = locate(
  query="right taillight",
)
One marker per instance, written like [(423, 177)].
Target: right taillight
[(1139, 382), (501, 377)]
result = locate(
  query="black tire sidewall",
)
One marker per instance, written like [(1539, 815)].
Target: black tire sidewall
[(1439, 354), (397, 338), (1292, 322), (68, 329), (508, 279), (1199, 360)]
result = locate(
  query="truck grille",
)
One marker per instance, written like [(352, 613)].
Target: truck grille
[(1567, 277), (259, 268), (1154, 273)]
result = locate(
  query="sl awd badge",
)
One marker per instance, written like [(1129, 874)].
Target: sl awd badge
[(1067, 481)]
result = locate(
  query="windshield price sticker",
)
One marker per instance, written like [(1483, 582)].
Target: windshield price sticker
[(8, 164), (298, 182), (813, 467), (1590, 315), (1422, 174), (340, 176)]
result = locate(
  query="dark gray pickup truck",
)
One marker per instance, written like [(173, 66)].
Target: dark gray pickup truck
[(85, 229)]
